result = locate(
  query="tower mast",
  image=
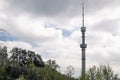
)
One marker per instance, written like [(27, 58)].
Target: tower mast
[(83, 45)]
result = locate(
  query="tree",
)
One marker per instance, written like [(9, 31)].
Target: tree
[(52, 64), (70, 71), (25, 58), (27, 65), (3, 55), (100, 73)]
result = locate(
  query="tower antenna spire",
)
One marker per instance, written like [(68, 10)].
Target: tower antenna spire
[(83, 14), (83, 45)]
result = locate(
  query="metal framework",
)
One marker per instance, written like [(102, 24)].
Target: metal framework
[(83, 45)]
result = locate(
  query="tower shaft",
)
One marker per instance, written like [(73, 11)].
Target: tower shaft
[(83, 45)]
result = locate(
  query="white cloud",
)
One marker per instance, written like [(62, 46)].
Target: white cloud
[(26, 28), (19, 44)]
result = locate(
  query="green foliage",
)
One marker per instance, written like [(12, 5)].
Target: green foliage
[(26, 65), (21, 77), (52, 64), (100, 73)]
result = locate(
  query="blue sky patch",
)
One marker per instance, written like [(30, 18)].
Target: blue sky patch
[(66, 33)]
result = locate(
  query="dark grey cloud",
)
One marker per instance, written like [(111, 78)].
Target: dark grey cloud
[(56, 7), (94, 5), (107, 26), (40, 7), (115, 58)]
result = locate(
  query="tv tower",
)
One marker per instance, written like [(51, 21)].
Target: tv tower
[(83, 46)]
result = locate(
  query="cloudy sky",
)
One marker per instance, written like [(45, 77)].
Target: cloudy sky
[(52, 29)]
